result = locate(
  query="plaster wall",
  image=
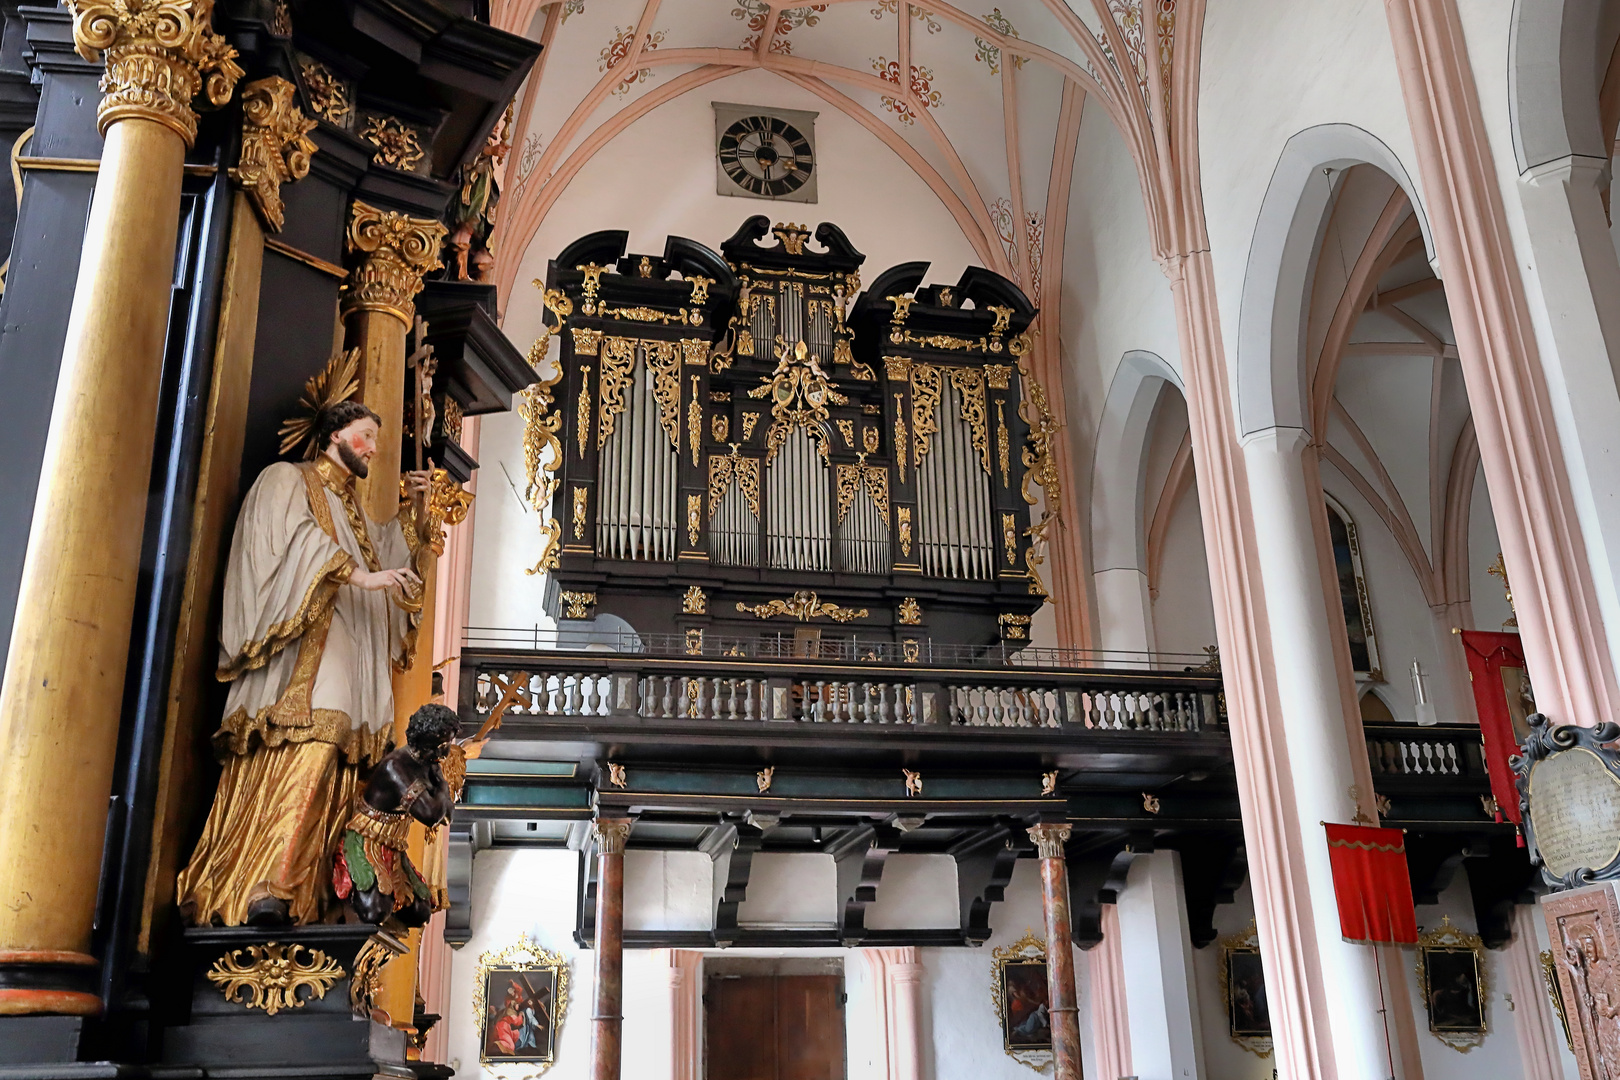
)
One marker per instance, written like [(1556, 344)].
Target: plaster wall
[(668, 890), (791, 891), (1183, 614), (1490, 604), (917, 891)]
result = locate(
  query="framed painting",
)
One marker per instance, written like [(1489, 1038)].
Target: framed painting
[(1018, 986), (1451, 978), (519, 999), (1243, 992)]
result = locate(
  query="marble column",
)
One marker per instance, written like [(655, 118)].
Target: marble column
[(607, 1015), (1049, 837), (64, 677)]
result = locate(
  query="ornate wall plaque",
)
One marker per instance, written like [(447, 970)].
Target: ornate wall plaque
[(1583, 926), (1569, 790)]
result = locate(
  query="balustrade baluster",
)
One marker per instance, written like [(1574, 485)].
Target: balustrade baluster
[(748, 702), (669, 697), (816, 707), (1451, 754)]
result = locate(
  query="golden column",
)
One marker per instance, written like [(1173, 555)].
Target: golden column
[(377, 306), (398, 250), (64, 679)]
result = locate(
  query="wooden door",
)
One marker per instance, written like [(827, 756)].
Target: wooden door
[(775, 1027)]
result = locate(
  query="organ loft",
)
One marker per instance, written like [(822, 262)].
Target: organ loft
[(751, 434)]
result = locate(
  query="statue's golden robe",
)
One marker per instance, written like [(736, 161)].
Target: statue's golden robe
[(310, 659)]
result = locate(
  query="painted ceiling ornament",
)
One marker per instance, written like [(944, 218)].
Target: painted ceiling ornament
[(337, 381), (921, 85), (617, 50), (987, 51), (276, 147), (159, 55)]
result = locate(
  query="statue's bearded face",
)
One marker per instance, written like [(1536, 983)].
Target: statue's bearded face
[(356, 444)]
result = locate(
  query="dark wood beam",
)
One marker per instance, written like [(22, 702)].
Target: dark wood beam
[(1097, 877), (984, 867)]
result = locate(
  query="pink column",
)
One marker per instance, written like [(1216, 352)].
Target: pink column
[(1564, 639), (1533, 1019), (905, 1015), (686, 1014), (1110, 1021)]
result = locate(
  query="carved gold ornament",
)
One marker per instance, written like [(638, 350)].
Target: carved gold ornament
[(577, 605), (800, 393), (1040, 468), (276, 146), (1009, 538), (969, 383), (694, 641), (792, 236), (749, 421), (448, 503), (870, 439), (1150, 803), (695, 602), (328, 94), (1049, 782), (582, 498), (587, 342), (873, 478), (914, 782), (694, 425), (926, 387), (451, 424), (398, 250), (336, 382), (694, 518), (398, 146), (582, 410), (695, 351), (616, 775), (1014, 627), (1448, 944), (909, 612), (764, 777), (910, 649), (902, 442), (369, 962), (803, 605), (1027, 951), (846, 428), (542, 455), (904, 515), (720, 427), (1555, 994), (1003, 445), (997, 375), (536, 966), (159, 54), (271, 976), (1245, 945), (726, 468)]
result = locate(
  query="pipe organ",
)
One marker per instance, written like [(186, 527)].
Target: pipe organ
[(734, 443)]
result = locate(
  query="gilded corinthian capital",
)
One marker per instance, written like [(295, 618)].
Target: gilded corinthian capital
[(1049, 837), (276, 146), (398, 250), (159, 54)]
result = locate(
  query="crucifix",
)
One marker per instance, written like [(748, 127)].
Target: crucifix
[(422, 361)]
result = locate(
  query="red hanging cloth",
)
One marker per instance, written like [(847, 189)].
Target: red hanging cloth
[(1371, 884), (1488, 652)]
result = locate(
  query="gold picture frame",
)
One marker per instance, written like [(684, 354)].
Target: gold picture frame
[(520, 997), (1018, 989), (1243, 992), (1453, 982), (1555, 993)]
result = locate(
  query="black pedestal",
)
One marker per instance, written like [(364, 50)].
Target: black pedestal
[(321, 1037)]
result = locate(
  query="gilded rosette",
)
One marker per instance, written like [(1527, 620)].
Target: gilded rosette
[(398, 250), (159, 54)]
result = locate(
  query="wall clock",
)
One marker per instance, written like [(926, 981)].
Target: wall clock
[(765, 153)]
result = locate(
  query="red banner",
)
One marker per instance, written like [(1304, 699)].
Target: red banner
[(1496, 667), (1371, 883)]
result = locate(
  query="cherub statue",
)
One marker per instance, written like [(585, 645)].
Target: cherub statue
[(371, 869)]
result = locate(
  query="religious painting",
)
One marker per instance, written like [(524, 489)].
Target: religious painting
[(1358, 622), (1451, 979), (1243, 991), (1018, 986), (519, 1000)]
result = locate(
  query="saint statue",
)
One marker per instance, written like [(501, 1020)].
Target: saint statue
[(321, 606)]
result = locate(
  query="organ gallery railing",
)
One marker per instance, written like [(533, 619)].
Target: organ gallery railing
[(762, 680)]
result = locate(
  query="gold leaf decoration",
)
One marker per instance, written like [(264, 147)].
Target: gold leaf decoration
[(336, 382), (271, 976)]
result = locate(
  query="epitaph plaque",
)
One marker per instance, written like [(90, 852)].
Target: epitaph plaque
[(1569, 787)]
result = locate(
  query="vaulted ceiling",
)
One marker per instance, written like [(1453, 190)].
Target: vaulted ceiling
[(983, 103)]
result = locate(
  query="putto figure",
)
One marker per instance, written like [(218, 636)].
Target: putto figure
[(372, 869), (320, 606)]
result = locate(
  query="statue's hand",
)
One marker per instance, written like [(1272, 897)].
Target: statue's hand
[(417, 481), (401, 579)]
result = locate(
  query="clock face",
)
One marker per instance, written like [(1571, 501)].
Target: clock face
[(766, 156)]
